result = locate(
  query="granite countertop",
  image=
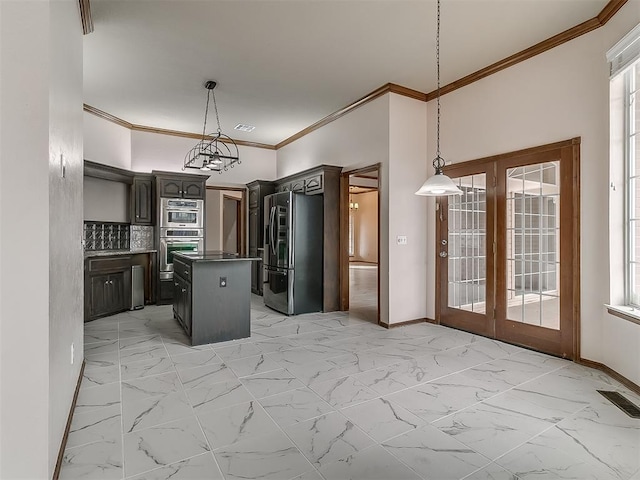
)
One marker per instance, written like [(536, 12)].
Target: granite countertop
[(108, 253), (214, 256)]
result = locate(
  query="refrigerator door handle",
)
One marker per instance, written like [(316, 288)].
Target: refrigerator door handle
[(271, 236)]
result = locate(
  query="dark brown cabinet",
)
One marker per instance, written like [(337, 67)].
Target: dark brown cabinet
[(142, 201), (325, 180), (257, 191), (181, 188), (182, 302), (108, 286)]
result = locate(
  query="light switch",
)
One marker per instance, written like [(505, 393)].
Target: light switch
[(401, 239)]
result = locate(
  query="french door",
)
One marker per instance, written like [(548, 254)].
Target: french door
[(507, 249)]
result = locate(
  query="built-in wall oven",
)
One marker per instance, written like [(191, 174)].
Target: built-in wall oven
[(177, 240), (181, 213)]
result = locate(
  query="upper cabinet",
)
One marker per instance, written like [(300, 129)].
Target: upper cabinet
[(142, 200), (309, 182), (181, 188)]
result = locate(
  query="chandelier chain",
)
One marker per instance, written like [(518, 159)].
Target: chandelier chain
[(215, 107), (438, 162), (206, 114)]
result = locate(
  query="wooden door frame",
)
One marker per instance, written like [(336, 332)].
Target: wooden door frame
[(467, 321), (239, 219), (243, 217), (571, 153), (344, 234)]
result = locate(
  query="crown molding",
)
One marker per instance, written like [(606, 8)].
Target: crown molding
[(196, 136), (610, 10), (176, 133), (387, 88), (106, 116), (85, 16), (585, 27), (598, 21)]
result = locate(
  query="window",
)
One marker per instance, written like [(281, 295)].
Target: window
[(632, 190), (624, 207)]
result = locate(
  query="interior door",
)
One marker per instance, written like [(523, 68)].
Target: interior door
[(508, 248), (464, 250)]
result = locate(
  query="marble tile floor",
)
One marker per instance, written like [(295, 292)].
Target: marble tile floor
[(333, 396), (363, 290)]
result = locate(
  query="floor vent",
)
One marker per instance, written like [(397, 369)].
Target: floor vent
[(621, 402)]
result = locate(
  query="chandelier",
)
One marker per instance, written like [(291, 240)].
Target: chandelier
[(216, 152), (439, 184)]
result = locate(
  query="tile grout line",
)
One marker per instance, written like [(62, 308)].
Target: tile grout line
[(340, 410)]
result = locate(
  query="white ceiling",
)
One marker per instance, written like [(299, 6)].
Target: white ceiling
[(283, 65)]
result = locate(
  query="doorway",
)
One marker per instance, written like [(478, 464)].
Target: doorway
[(507, 249), (225, 225), (360, 207), (231, 214)]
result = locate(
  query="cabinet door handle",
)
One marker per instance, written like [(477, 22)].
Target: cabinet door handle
[(110, 282), (176, 284), (184, 290)]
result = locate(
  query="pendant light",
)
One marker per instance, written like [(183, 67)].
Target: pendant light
[(217, 152), (439, 184)]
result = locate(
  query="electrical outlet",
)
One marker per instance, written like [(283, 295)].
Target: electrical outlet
[(401, 239), (72, 353), (223, 282)]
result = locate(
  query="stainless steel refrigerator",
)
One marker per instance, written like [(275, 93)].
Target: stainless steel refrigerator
[(293, 252)]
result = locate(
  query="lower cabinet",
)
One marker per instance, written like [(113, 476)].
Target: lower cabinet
[(256, 274), (182, 302), (107, 294), (166, 291), (107, 283)]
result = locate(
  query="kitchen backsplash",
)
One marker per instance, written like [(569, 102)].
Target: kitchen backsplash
[(117, 236), (141, 237), (106, 236)]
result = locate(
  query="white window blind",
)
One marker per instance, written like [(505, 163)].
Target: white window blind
[(625, 52)]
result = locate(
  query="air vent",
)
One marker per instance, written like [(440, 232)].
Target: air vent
[(244, 128), (621, 402)]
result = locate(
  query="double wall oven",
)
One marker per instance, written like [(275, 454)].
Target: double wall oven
[(181, 230)]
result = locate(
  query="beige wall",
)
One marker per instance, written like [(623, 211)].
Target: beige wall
[(555, 96), (356, 140), (230, 221), (214, 206), (365, 224), (391, 131), (106, 142), (111, 144), (213, 212), (41, 294), (152, 151), (106, 201)]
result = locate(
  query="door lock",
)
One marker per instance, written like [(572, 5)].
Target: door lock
[(443, 241)]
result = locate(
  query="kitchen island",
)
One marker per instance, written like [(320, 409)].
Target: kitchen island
[(212, 295)]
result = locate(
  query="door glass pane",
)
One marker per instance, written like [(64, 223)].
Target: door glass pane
[(466, 245), (533, 244)]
